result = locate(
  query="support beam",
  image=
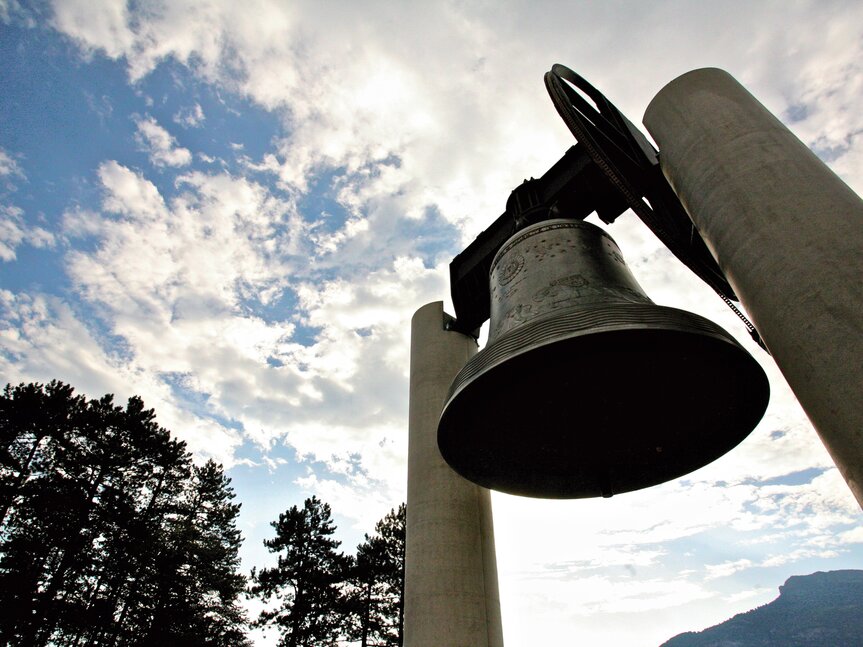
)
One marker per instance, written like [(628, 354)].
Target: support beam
[(787, 232), (451, 592)]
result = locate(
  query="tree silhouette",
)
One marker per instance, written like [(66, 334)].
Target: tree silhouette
[(306, 583), (108, 534), (376, 597)]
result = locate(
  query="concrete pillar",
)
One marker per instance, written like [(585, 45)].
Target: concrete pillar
[(451, 593), (787, 232)]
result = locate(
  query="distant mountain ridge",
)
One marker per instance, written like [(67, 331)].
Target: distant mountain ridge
[(817, 610)]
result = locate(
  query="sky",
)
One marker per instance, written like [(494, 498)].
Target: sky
[(234, 209)]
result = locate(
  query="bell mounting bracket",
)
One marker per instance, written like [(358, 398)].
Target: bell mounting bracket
[(611, 168)]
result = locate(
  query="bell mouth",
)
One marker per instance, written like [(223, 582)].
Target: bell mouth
[(600, 401)]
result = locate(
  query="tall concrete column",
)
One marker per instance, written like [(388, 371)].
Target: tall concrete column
[(451, 593), (787, 232)]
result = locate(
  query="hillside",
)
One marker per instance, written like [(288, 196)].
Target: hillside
[(817, 610)]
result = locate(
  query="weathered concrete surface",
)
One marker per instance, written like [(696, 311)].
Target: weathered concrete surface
[(451, 592), (787, 232)]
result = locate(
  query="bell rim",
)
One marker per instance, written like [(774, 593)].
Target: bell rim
[(590, 320)]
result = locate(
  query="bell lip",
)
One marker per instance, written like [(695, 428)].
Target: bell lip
[(752, 375), (517, 341)]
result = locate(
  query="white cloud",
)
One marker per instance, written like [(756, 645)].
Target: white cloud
[(78, 222), (190, 117), (797, 555), (749, 595), (11, 232), (726, 568), (7, 8), (42, 338), (173, 279), (95, 26), (159, 144), (14, 231), (352, 97), (547, 611), (129, 194), (9, 167), (854, 536)]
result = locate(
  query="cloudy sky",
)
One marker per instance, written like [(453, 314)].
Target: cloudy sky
[(233, 209)]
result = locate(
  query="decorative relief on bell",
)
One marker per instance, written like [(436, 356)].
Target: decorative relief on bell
[(555, 265), (509, 270)]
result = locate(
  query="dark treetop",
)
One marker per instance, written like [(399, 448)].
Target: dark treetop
[(109, 534)]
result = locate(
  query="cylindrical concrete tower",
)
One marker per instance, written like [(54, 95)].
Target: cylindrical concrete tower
[(787, 232), (451, 593)]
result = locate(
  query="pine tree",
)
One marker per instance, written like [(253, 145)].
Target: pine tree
[(139, 550), (376, 597), (194, 596), (306, 583), (104, 523)]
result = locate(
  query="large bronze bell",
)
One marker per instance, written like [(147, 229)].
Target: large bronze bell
[(586, 387)]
